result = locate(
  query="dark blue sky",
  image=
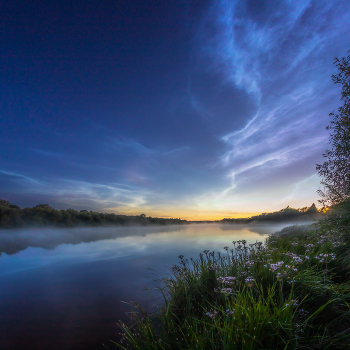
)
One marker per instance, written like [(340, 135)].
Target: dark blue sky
[(197, 109)]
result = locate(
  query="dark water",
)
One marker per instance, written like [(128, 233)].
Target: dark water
[(63, 288)]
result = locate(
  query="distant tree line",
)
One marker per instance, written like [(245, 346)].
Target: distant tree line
[(12, 216), (286, 214)]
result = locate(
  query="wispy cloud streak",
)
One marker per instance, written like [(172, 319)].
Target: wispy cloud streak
[(240, 45), (280, 57), (68, 192)]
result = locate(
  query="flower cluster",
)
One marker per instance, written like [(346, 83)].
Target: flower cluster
[(223, 290), (309, 247), (258, 245), (243, 241), (212, 313), (293, 268), (323, 239), (322, 257), (294, 242), (227, 280), (298, 329), (274, 267), (295, 258), (176, 269), (249, 281), (293, 303), (303, 312)]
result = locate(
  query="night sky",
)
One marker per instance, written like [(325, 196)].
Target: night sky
[(193, 109)]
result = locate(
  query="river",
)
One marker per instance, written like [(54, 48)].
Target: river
[(65, 288)]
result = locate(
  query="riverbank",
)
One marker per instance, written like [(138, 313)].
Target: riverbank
[(42, 216), (289, 292)]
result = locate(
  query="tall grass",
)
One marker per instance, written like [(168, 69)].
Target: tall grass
[(292, 292)]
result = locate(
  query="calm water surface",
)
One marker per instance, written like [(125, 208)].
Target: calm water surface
[(63, 288)]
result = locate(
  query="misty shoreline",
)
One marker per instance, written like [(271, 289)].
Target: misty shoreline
[(16, 240), (43, 216)]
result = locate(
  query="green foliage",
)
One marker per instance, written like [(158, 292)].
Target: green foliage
[(337, 219), (285, 214), (335, 171), (284, 294), (4, 203), (12, 216)]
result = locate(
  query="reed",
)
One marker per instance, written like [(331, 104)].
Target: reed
[(290, 292)]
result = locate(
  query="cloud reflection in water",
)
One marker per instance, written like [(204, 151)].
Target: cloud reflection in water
[(62, 289)]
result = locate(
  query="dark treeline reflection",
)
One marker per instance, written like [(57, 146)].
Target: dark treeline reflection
[(267, 228), (12, 242)]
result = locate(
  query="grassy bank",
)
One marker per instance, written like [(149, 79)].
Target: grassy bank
[(290, 292)]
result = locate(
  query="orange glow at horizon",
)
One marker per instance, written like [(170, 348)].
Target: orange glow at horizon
[(190, 215), (208, 214)]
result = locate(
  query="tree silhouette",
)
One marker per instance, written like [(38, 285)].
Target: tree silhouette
[(335, 171)]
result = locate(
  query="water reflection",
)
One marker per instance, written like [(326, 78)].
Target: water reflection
[(63, 288), (14, 241)]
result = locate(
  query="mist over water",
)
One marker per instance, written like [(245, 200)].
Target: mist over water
[(13, 241), (63, 288)]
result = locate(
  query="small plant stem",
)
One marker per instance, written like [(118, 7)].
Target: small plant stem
[(282, 291)]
